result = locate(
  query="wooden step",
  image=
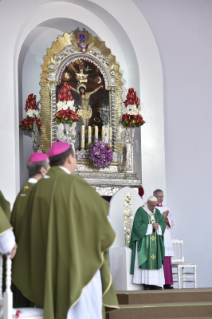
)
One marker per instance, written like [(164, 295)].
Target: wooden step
[(168, 296), (163, 311)]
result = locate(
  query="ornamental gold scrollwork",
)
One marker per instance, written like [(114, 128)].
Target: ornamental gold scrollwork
[(128, 217)]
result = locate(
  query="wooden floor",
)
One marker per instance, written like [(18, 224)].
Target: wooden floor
[(176, 303)]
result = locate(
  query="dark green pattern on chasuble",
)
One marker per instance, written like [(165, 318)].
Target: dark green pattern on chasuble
[(64, 240), (151, 250), (16, 220)]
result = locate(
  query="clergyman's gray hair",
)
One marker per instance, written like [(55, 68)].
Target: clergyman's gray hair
[(155, 192), (35, 167)]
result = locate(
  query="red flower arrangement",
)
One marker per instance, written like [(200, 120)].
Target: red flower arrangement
[(66, 116), (66, 109), (132, 116), (132, 120), (131, 98), (31, 115), (65, 93), (31, 103)]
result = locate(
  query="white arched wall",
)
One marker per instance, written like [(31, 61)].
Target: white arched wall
[(140, 65)]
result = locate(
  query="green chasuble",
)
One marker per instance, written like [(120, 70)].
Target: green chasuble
[(5, 205), (151, 250), (19, 208), (16, 220), (64, 240), (4, 222)]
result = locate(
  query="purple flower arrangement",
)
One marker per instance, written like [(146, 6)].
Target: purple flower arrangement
[(100, 155)]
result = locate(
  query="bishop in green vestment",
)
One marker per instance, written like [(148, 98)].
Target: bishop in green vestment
[(147, 246), (63, 244), (37, 166)]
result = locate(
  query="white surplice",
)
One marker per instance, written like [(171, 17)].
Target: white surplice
[(89, 305), (7, 241), (147, 276), (169, 251)]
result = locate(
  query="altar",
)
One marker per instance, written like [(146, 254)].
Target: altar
[(81, 103)]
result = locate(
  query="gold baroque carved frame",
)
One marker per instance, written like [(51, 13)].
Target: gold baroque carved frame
[(62, 52)]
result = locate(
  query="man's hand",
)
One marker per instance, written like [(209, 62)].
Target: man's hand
[(165, 214), (155, 225), (13, 252)]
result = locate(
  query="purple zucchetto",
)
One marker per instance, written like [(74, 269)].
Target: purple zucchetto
[(58, 148), (37, 157)]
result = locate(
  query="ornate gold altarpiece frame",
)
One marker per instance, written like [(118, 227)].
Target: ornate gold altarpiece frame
[(64, 51)]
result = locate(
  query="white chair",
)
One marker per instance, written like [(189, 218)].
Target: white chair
[(6, 299), (181, 267)]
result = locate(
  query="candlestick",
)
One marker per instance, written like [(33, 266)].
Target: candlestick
[(89, 134), (83, 136), (103, 133), (96, 133), (110, 136)]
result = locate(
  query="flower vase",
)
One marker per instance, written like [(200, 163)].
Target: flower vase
[(66, 128), (70, 132), (128, 149)]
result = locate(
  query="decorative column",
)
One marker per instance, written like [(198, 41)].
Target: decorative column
[(128, 150), (128, 217)]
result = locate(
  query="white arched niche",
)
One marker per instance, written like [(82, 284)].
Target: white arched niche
[(139, 64)]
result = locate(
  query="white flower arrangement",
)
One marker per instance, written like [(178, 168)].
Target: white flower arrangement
[(65, 105), (132, 109), (32, 113)]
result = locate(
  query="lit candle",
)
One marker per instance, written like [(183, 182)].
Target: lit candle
[(89, 134), (83, 136), (103, 133), (110, 136), (96, 133)]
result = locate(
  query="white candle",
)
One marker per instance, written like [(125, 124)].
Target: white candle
[(83, 136), (96, 133), (103, 133), (89, 134), (110, 136)]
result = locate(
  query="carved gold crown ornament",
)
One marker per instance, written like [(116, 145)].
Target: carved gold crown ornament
[(81, 77)]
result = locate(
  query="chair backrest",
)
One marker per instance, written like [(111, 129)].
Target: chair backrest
[(178, 250)]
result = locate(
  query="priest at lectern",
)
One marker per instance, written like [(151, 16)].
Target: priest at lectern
[(147, 246), (62, 261)]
